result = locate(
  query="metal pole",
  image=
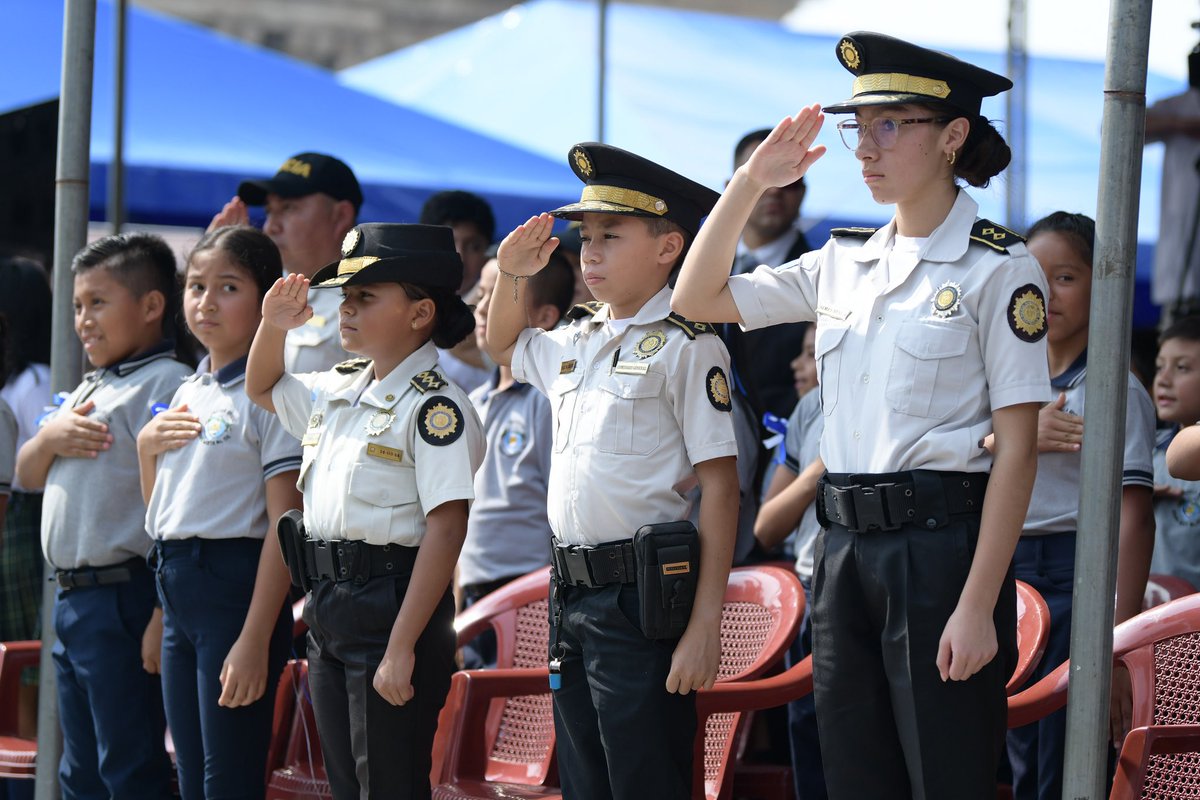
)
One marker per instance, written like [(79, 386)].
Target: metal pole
[(116, 168), (70, 234), (601, 69), (1016, 104), (1122, 136)]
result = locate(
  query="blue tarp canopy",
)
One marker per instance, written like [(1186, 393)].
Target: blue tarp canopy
[(204, 111), (683, 86)]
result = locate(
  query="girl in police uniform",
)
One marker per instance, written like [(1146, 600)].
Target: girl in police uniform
[(216, 473), (930, 338), (390, 449)]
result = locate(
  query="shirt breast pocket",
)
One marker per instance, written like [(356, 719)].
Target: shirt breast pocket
[(564, 394), (627, 421), (927, 369), (829, 363), (374, 512)]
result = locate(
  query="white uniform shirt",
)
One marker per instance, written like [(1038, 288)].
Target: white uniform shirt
[(379, 456), (902, 387), (635, 405), (316, 345), (1177, 211), (214, 487)]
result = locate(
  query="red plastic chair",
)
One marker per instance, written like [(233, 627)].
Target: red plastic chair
[(1033, 630), (295, 765), (1162, 588), (1160, 759), (18, 756), (763, 609)]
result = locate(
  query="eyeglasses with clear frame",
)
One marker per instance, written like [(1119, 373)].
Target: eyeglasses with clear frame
[(885, 131)]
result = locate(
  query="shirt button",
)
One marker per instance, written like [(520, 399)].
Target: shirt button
[(879, 318), (857, 435), (866, 378)]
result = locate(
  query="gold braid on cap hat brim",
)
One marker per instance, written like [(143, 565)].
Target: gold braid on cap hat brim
[(625, 197), (901, 83)]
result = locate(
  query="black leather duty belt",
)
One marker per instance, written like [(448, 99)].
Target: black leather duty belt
[(592, 567), (87, 577), (345, 560), (926, 498)]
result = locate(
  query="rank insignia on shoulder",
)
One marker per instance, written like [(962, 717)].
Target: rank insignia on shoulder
[(853, 233), (353, 365), (440, 421), (1027, 313), (718, 389), (588, 309), (650, 344), (692, 329), (947, 299), (427, 381), (994, 236)]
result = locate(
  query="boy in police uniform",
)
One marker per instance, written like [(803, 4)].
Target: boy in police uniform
[(641, 410)]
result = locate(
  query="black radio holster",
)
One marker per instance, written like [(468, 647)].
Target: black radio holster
[(668, 569), (291, 545)]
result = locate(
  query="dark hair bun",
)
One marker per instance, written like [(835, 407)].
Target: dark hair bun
[(984, 155), (454, 320)]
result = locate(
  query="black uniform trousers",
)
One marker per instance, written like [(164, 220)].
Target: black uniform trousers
[(372, 748), (620, 734), (889, 726)]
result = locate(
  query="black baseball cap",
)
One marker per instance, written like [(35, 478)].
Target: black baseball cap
[(892, 72), (620, 182), (392, 252), (304, 174)]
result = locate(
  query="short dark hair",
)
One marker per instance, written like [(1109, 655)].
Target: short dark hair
[(554, 284), (1187, 328), (455, 206), (1078, 229), (749, 141), (249, 248), (25, 303)]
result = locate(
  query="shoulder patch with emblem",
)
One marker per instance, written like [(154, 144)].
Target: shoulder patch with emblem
[(439, 421), (692, 329), (994, 236), (353, 365), (717, 388), (427, 381), (588, 309), (1027, 313), (852, 233)]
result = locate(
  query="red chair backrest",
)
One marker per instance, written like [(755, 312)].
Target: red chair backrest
[(761, 615), (295, 764), (1033, 629)]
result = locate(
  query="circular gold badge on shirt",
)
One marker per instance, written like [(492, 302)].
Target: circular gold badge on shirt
[(440, 421), (650, 344), (1027, 313), (718, 389), (379, 422), (947, 299)]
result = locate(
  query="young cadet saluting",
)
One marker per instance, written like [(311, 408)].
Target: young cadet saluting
[(930, 337), (641, 406), (390, 449)]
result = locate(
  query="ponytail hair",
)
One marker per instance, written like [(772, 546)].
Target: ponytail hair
[(453, 319), (984, 154)]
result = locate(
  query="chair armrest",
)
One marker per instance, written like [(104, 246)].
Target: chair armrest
[(1140, 744), (15, 657), (776, 690), (1044, 697)]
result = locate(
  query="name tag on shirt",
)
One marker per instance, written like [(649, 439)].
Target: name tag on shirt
[(386, 453), (829, 311), (567, 367), (310, 439), (630, 368)]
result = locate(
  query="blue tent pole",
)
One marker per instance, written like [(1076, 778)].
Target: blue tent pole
[(602, 68), (70, 234), (116, 168)]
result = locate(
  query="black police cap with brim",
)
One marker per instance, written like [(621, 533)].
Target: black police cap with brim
[(304, 174), (379, 252), (893, 72), (620, 182)]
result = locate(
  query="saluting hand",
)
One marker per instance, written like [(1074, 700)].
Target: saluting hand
[(286, 303), (74, 435), (1059, 431), (787, 153), (393, 677), (233, 213), (695, 660), (168, 430), (527, 249)]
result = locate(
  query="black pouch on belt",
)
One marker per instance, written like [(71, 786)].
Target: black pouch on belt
[(291, 545), (668, 567)]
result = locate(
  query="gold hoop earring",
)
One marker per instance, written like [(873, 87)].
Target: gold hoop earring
[(951, 157)]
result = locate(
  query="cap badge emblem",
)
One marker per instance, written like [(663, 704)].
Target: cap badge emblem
[(583, 163), (350, 243), (849, 54)]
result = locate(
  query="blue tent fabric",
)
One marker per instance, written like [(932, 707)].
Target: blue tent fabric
[(683, 86), (204, 111)]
